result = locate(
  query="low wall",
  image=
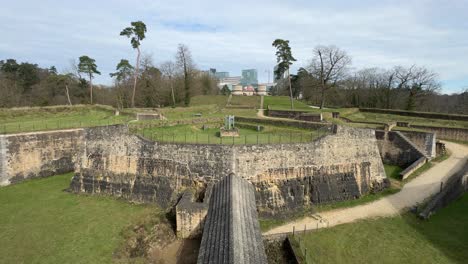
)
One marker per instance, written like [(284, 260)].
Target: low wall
[(38, 154), (299, 115), (413, 167), (276, 122), (449, 133), (416, 114), (452, 189)]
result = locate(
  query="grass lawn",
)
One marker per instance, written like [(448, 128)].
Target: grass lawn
[(403, 239), (40, 223), (196, 134), (284, 103), (206, 111), (60, 117), (366, 116)]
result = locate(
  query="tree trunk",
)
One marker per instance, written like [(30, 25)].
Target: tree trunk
[(172, 91), (322, 100), (68, 95), (137, 67), (91, 88), (290, 91), (187, 88)]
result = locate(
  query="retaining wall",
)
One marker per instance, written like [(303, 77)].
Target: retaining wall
[(38, 154), (424, 141), (449, 133), (285, 175), (452, 189), (396, 149), (417, 114)]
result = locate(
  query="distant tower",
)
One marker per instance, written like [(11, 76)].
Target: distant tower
[(237, 90), (261, 89)]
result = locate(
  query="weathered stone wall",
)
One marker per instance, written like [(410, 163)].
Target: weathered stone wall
[(284, 122), (450, 133), (125, 165), (396, 149), (416, 114), (451, 190), (191, 214), (424, 141), (38, 154), (298, 115)]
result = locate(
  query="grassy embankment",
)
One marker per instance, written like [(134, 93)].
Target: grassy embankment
[(59, 117), (402, 239), (210, 135), (41, 223)]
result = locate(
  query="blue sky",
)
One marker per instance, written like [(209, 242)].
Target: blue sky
[(235, 35)]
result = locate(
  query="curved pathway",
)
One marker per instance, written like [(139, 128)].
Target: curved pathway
[(412, 193)]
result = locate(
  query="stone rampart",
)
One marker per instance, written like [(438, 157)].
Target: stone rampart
[(424, 141), (126, 165), (416, 114), (396, 149), (191, 214), (38, 154), (450, 133)]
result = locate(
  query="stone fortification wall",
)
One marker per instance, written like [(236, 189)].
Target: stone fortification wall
[(424, 141), (450, 133), (117, 163), (191, 213), (416, 114), (298, 115), (396, 149), (38, 154)]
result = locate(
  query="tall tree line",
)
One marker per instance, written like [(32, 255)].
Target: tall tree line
[(329, 81)]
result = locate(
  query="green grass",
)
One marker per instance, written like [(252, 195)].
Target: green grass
[(62, 117), (40, 223), (366, 116), (250, 101), (196, 134), (284, 103), (402, 239), (393, 171), (200, 100)]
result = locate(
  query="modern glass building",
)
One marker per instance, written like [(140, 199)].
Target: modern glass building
[(249, 77), (221, 75)]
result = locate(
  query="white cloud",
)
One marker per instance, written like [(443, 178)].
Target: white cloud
[(238, 34)]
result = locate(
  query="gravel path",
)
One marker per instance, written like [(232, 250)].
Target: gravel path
[(412, 193)]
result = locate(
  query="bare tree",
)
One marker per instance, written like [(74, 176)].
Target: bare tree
[(329, 65), (168, 69), (185, 64)]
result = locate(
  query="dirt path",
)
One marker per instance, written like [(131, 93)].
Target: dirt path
[(412, 193)]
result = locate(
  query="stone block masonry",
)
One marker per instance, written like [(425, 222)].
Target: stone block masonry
[(38, 154), (129, 166), (396, 149), (424, 141), (190, 214)]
